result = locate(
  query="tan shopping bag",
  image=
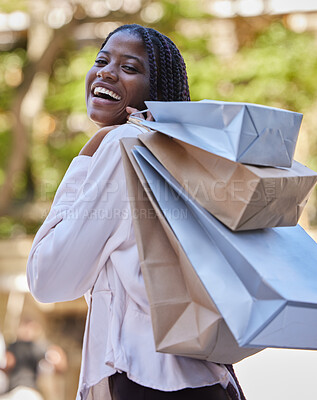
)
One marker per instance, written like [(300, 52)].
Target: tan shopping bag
[(241, 196), (185, 320)]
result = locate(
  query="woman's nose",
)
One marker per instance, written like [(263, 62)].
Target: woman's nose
[(107, 72)]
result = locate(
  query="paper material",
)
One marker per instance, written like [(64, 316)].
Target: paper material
[(241, 196), (247, 133), (263, 282), (184, 318)]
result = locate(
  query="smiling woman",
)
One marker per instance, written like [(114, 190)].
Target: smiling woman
[(86, 245), (119, 78)]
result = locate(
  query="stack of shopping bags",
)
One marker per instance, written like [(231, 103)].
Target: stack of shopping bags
[(215, 198)]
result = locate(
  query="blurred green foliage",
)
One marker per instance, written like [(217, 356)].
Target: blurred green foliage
[(279, 70)]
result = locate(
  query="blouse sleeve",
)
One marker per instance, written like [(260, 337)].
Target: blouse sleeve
[(87, 212)]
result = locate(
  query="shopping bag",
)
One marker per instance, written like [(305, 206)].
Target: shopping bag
[(184, 318), (265, 283), (241, 196), (247, 133)]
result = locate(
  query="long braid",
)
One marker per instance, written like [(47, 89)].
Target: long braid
[(152, 62), (181, 89), (168, 76), (177, 94), (185, 80), (163, 79), (166, 65), (178, 82)]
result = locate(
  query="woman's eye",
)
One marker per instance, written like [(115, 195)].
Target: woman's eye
[(101, 61), (129, 68)]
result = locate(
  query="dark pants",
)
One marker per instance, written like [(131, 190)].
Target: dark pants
[(122, 388)]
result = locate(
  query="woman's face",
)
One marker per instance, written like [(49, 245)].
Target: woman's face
[(120, 77)]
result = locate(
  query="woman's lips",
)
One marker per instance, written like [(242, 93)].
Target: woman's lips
[(101, 96), (100, 101), (99, 91)]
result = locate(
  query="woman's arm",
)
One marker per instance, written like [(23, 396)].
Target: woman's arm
[(85, 224)]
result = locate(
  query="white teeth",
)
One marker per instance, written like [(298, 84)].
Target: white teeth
[(103, 90)]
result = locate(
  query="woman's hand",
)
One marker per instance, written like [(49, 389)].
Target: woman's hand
[(92, 145), (131, 110)]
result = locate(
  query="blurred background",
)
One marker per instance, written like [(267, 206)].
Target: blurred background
[(258, 51)]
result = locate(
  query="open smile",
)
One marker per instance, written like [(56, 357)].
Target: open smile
[(107, 94)]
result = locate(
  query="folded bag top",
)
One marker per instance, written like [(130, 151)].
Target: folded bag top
[(242, 132)]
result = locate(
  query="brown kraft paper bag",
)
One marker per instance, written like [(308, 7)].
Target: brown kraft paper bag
[(184, 318), (241, 196)]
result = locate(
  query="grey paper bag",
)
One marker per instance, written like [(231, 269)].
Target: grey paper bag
[(243, 132)]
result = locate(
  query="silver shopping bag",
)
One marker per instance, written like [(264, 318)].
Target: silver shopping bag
[(247, 133), (263, 282)]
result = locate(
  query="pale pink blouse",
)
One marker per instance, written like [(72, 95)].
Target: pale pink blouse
[(87, 246)]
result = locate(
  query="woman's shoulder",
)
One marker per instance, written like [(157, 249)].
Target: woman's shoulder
[(111, 142), (125, 130)]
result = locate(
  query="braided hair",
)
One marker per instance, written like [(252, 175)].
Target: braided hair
[(168, 76)]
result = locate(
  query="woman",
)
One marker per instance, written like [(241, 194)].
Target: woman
[(87, 246)]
